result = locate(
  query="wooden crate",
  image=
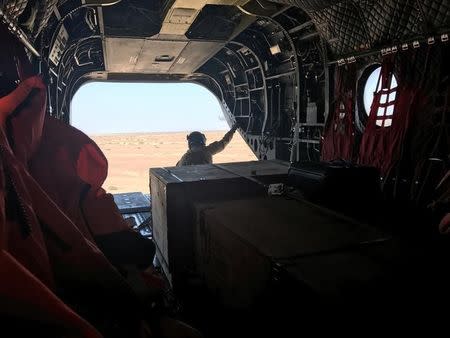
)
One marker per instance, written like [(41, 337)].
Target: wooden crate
[(238, 243), (174, 191)]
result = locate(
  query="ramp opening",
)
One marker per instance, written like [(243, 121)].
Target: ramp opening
[(143, 125)]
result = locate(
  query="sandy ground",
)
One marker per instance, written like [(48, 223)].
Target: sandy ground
[(131, 155)]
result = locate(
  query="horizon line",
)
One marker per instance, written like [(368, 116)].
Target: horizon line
[(152, 132)]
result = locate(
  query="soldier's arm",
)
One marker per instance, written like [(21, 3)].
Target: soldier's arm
[(218, 146)]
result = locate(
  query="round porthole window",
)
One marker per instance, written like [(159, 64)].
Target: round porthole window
[(366, 90)]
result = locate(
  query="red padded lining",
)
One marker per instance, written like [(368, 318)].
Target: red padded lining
[(32, 262), (340, 131), (381, 146), (71, 168)]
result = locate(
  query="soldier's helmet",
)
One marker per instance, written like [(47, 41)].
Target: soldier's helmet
[(196, 138)]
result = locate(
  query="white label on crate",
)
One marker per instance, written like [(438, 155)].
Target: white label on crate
[(275, 189)]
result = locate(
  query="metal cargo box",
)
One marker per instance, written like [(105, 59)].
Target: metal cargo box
[(175, 190)]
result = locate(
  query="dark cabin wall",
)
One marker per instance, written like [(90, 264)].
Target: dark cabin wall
[(426, 156), (273, 81), (338, 41), (423, 157), (357, 34)]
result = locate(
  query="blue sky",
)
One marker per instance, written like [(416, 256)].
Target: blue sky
[(103, 108)]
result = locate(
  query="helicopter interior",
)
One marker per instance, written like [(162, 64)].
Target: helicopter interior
[(355, 83)]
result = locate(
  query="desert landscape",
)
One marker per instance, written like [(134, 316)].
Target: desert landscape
[(131, 155)]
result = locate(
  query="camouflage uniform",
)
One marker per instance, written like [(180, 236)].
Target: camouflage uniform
[(200, 154)]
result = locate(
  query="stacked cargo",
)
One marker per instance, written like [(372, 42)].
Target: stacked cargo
[(259, 255), (176, 190)]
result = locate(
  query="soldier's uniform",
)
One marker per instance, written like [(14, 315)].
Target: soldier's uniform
[(202, 154)]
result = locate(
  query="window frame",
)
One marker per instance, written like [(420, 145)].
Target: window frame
[(363, 115), (362, 81)]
